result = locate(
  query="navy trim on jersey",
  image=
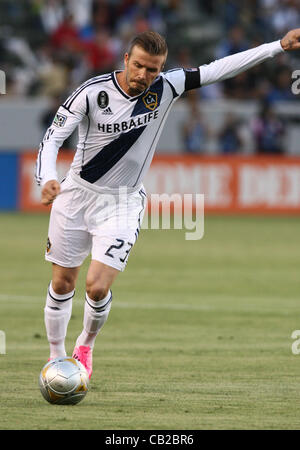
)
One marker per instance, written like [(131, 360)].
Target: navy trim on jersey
[(150, 148), (114, 78), (85, 139), (39, 167), (141, 191), (172, 88), (87, 106), (110, 155), (143, 197), (87, 83), (84, 85), (67, 109), (70, 100)]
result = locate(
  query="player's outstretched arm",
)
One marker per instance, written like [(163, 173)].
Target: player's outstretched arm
[(291, 41), (50, 191), (232, 65)]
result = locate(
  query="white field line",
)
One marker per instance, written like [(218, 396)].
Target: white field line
[(242, 303), (34, 299)]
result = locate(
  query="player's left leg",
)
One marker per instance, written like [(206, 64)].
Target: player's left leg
[(114, 230), (98, 299)]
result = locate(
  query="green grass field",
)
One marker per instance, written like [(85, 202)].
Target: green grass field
[(199, 335)]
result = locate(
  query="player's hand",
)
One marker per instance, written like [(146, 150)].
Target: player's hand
[(50, 191), (291, 41)]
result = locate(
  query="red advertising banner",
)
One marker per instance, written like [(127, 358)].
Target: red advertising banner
[(230, 184)]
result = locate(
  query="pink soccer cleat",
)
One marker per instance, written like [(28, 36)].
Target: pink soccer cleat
[(84, 355)]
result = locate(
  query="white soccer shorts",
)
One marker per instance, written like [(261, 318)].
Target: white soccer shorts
[(84, 221)]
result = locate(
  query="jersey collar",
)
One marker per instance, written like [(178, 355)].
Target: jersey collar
[(115, 81)]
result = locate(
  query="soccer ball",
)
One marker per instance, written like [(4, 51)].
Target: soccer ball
[(64, 381)]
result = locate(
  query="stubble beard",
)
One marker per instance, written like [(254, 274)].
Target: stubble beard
[(133, 91)]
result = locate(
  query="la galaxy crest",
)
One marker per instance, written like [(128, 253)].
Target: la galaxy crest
[(150, 100)]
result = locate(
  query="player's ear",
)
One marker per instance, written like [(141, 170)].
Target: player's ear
[(163, 64), (126, 57)]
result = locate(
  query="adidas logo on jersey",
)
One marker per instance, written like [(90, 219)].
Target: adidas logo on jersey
[(107, 111)]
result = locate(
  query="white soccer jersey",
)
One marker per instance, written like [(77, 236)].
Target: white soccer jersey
[(118, 134)]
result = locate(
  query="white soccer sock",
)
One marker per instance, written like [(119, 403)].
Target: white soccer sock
[(57, 314), (95, 316)]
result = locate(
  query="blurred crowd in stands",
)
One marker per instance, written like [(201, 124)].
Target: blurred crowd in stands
[(48, 47)]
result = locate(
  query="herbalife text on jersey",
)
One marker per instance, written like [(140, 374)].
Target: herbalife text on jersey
[(127, 125)]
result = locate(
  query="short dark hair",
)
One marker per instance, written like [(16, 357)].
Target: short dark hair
[(150, 41)]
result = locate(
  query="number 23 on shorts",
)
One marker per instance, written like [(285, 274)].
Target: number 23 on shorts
[(122, 243)]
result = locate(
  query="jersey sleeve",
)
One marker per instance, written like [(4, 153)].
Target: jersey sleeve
[(67, 118), (182, 80), (232, 65)]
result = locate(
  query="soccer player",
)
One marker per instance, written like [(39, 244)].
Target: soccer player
[(120, 117)]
